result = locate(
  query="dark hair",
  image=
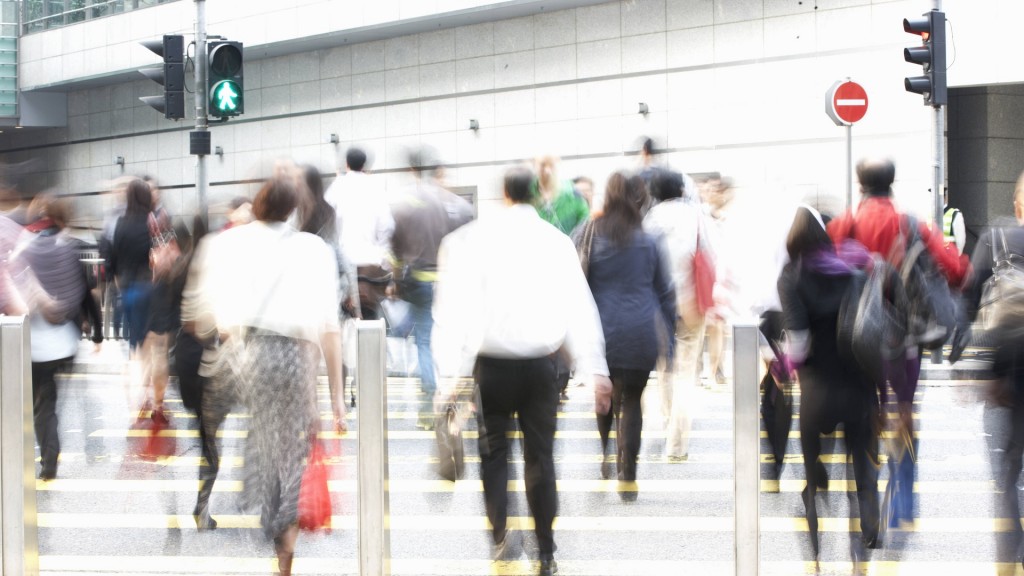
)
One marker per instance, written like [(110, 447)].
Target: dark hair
[(276, 200), (321, 217), (579, 179), (666, 185), (647, 146), (520, 183), (876, 176), (624, 198), (355, 159), (139, 198), (806, 235)]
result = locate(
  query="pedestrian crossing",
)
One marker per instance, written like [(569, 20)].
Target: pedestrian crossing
[(111, 512)]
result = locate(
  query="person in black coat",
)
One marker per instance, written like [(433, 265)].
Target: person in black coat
[(632, 287), (833, 389), (129, 260)]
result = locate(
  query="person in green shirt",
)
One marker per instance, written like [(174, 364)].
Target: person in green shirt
[(557, 202)]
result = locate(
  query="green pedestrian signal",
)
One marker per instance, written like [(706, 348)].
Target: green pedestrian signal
[(225, 83), (226, 98)]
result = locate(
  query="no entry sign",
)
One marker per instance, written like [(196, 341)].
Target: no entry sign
[(846, 102)]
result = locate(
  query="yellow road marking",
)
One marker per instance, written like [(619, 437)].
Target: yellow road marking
[(566, 486), (562, 434), (417, 567), (570, 523)]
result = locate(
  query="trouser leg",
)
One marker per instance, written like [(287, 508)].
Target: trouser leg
[(44, 413), (810, 442), (631, 420), (862, 446), (538, 420), (495, 410)]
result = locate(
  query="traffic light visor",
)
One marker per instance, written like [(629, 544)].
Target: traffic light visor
[(226, 60), (920, 26)]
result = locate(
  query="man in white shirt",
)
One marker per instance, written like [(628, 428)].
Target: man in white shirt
[(511, 294), (365, 226)]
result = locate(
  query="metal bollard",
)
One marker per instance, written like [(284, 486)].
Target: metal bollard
[(374, 515), (747, 443), (20, 547)]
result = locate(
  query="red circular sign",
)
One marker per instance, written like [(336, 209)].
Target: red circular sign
[(848, 102)]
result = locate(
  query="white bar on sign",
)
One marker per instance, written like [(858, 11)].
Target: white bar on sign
[(850, 102)]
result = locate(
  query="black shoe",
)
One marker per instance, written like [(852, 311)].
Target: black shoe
[(48, 472), (201, 515), (606, 468), (509, 548), (548, 568)]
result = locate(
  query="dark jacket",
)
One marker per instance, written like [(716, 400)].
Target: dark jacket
[(633, 289), (128, 259)]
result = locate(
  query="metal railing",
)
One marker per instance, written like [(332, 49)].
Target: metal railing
[(374, 537), (40, 15)]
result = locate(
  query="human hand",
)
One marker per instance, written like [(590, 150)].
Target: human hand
[(602, 394)]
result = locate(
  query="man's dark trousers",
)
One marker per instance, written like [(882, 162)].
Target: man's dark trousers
[(526, 387)]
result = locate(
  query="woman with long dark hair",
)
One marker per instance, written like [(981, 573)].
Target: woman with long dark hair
[(833, 388), (129, 260), (632, 286)]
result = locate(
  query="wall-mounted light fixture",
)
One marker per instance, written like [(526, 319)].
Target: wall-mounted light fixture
[(474, 125), (334, 139), (119, 160), (219, 151), (644, 109)]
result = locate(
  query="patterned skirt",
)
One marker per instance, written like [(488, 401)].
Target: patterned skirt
[(280, 393)]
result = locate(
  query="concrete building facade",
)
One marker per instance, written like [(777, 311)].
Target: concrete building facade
[(730, 86)]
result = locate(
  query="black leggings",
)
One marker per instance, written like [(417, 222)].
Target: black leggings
[(627, 390)]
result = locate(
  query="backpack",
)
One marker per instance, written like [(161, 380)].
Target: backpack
[(932, 308), (1001, 309), (871, 327)]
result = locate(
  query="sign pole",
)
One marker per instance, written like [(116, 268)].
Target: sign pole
[(849, 167), (846, 102)]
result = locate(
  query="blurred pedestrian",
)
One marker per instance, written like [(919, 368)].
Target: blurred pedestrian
[(319, 218), (629, 276), (489, 306), (424, 214), (677, 223), (833, 389), (555, 200), (878, 226), (953, 230), (162, 321), (584, 186), (273, 290), (365, 226), (47, 254), (1008, 368)]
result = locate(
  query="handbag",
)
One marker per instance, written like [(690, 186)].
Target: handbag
[(584, 245), (703, 274), (314, 495), (1001, 309), (451, 452)]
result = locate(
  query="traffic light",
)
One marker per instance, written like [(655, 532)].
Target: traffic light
[(931, 55), (225, 82), (171, 76)]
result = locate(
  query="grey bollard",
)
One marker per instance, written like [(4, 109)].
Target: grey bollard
[(20, 545), (747, 446), (374, 536)]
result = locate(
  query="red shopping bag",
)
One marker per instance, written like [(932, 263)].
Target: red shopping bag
[(314, 496)]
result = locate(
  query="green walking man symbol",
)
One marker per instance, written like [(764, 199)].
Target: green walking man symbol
[(227, 97)]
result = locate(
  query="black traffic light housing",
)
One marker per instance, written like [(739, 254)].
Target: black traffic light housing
[(171, 76), (931, 55), (225, 79)]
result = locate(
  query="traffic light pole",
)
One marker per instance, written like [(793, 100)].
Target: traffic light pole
[(939, 155), (202, 102)]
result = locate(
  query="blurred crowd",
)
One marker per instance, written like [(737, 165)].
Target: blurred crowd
[(565, 283)]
